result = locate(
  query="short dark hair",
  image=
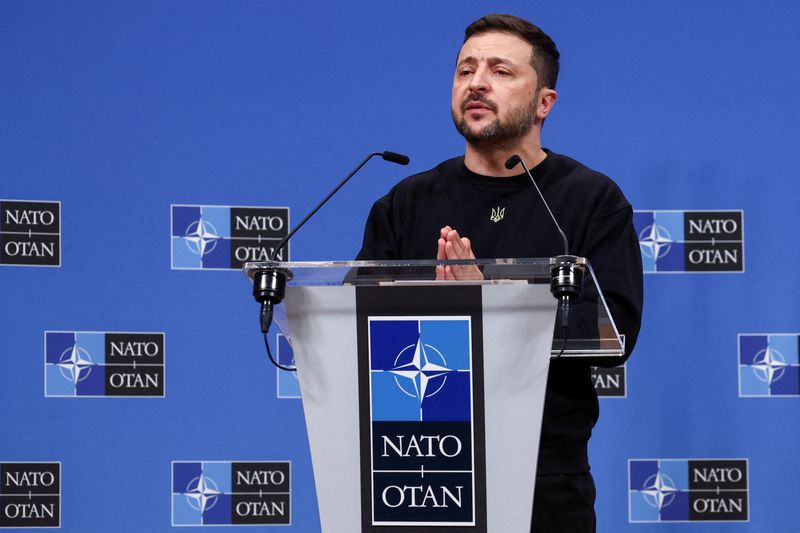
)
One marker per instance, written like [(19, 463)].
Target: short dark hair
[(544, 56)]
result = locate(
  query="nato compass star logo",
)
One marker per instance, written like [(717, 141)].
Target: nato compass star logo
[(661, 237), (420, 368), (769, 365), (202, 493), (659, 490), (75, 364), (419, 377), (655, 241), (201, 237)]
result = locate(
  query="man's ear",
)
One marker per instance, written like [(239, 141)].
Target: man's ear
[(546, 101)]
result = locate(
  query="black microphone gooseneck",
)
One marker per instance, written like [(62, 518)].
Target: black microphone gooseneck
[(392, 157), (566, 276), (511, 163), (269, 284)]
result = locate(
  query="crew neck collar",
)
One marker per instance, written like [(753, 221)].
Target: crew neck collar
[(542, 169)]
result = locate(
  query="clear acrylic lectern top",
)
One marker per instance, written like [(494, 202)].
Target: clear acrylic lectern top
[(591, 331)]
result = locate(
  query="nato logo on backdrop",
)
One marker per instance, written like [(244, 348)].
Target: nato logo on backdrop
[(422, 437), (690, 241), (231, 493), (214, 237), (30, 233), (30, 495), (769, 365), (102, 364), (610, 382), (688, 490)]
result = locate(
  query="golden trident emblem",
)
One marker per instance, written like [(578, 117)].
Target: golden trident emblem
[(497, 214)]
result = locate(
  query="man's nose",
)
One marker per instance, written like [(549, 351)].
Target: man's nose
[(479, 81)]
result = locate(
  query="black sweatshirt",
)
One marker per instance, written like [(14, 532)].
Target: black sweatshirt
[(597, 220)]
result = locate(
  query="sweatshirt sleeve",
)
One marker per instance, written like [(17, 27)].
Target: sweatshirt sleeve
[(612, 247), (379, 241)]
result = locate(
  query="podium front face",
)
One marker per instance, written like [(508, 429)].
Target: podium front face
[(423, 399)]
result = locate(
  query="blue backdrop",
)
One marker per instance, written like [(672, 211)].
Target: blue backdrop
[(118, 110)]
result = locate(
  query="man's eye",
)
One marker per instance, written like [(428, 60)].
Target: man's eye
[(465, 72), (503, 73)]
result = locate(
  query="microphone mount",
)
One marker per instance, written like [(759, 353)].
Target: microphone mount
[(269, 288)]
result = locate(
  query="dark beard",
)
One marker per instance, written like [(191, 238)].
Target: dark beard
[(498, 134)]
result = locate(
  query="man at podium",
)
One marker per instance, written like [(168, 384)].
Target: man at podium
[(472, 205)]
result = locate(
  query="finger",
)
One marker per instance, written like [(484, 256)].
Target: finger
[(461, 252), (444, 231), (448, 273), (440, 253), (460, 271), (450, 251), (468, 246), (440, 273), (465, 272)]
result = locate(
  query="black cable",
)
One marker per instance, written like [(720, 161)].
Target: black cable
[(564, 305), (563, 344), (274, 362)]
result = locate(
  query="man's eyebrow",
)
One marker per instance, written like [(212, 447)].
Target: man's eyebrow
[(470, 60), (500, 61)]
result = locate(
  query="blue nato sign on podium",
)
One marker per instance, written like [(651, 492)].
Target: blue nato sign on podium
[(423, 398)]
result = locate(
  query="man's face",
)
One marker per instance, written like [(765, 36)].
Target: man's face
[(494, 89)]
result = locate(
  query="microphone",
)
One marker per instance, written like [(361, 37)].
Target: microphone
[(269, 284), (566, 275), (394, 157)]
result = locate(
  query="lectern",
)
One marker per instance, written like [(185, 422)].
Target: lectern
[(423, 399)]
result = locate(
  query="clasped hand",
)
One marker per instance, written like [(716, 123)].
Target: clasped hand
[(453, 246)]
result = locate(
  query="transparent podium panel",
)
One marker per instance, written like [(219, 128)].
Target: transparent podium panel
[(591, 331)]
